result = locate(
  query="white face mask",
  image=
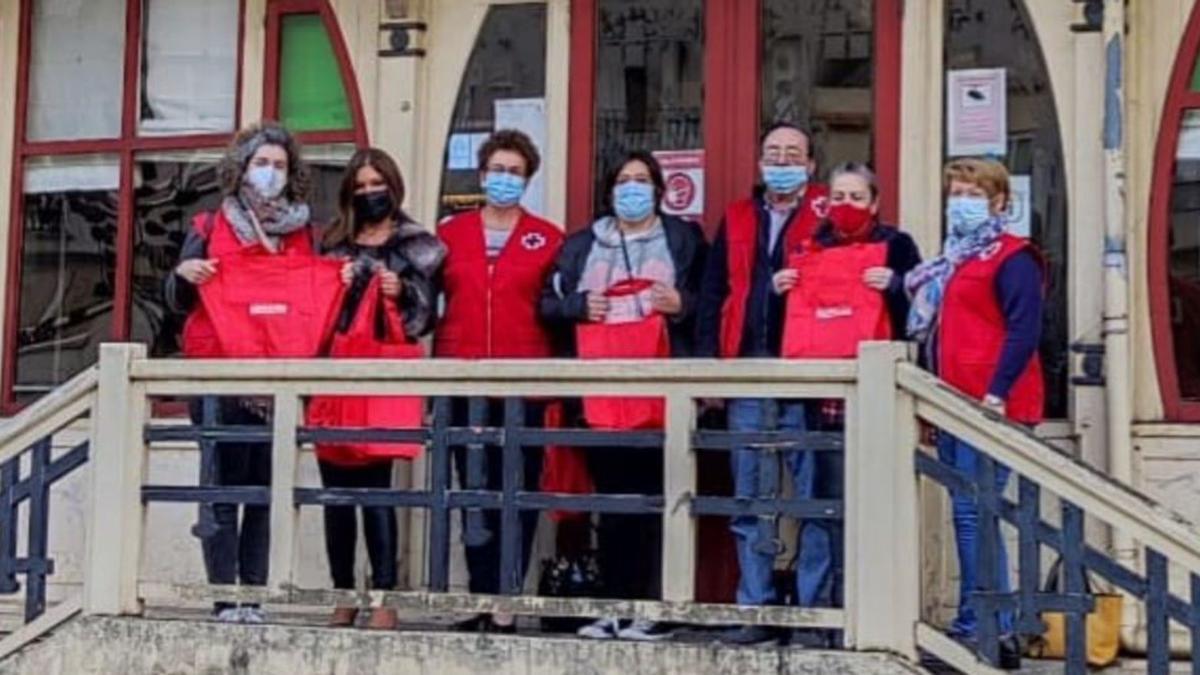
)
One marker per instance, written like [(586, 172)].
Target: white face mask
[(267, 180)]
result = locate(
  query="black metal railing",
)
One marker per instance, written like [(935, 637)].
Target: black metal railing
[(1075, 599), (25, 482), (508, 441)]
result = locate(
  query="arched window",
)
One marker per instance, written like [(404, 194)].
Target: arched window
[(123, 109), (1174, 255)]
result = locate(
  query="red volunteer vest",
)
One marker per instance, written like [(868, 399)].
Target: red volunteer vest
[(741, 238), (199, 335), (972, 333), (495, 315), (831, 310)]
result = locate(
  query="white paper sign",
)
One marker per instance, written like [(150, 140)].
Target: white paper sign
[(528, 115), (976, 112), (683, 172), (463, 151), (1020, 206)]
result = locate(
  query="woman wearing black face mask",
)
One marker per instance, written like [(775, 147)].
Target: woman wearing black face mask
[(376, 238)]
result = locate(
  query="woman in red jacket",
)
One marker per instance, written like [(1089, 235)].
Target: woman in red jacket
[(497, 260), (978, 310), (264, 212)]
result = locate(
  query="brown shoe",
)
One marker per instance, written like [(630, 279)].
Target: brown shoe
[(343, 616), (382, 618)]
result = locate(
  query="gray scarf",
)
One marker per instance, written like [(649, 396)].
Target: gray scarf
[(277, 217)]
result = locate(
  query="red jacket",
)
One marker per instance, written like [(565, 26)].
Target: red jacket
[(199, 337), (972, 332), (741, 233), (495, 315)]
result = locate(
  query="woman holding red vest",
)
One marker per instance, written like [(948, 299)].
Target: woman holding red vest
[(376, 238), (633, 245), (498, 258), (263, 212), (878, 256), (977, 308)]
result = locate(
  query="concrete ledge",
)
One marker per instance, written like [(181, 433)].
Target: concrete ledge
[(163, 647)]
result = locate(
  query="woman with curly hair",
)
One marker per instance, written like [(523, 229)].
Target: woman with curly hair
[(264, 211)]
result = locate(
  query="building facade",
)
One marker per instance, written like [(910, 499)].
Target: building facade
[(116, 111)]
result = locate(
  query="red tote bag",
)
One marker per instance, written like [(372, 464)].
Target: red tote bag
[(646, 338), (369, 412), (831, 310), (272, 306)]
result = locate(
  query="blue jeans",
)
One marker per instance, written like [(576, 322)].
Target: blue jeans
[(815, 475), (962, 457)]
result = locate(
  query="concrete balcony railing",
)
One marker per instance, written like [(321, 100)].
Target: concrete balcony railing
[(887, 401)]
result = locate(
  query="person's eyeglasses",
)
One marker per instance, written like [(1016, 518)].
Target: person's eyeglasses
[(782, 157), (500, 168)]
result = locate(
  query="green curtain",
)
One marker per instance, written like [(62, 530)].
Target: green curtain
[(312, 96)]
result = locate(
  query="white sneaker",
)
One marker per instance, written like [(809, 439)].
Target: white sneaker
[(600, 629), (251, 615), (644, 630)]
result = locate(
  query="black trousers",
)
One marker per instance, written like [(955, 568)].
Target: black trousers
[(629, 548), (341, 526), (483, 560), (238, 552)]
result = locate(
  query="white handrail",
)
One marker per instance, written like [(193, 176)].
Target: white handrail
[(1096, 493)]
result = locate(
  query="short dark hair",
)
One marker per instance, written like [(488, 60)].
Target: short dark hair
[(784, 124), (513, 141), (656, 177)]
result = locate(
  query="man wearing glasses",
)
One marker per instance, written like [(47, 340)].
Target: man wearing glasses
[(741, 316)]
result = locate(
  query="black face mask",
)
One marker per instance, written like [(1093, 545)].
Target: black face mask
[(373, 207)]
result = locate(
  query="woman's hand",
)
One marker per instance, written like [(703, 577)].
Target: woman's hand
[(597, 307), (665, 299), (197, 271), (785, 280), (348, 272), (878, 278), (995, 404), (390, 284)]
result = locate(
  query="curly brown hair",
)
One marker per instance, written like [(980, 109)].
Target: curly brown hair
[(246, 142), (513, 141)]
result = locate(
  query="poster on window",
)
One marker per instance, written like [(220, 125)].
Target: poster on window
[(528, 115), (683, 172), (1020, 205), (976, 113)]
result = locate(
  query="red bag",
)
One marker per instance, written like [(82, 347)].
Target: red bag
[(646, 338), (274, 306), (370, 412), (564, 468), (831, 310)]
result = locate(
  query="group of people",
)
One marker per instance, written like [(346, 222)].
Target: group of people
[(797, 269)]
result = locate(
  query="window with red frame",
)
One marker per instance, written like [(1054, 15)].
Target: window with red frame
[(124, 108), (1175, 236)]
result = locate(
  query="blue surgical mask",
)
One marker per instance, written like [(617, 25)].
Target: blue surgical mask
[(965, 215), (633, 201), (267, 180), (784, 179), (503, 189)]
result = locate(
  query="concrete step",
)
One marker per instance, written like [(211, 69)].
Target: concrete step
[(99, 645)]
